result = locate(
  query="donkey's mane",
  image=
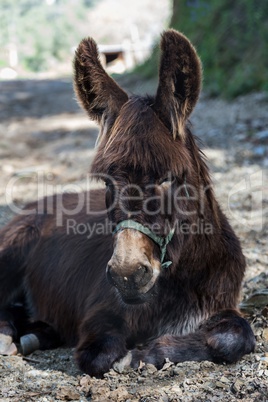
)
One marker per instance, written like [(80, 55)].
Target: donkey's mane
[(139, 140)]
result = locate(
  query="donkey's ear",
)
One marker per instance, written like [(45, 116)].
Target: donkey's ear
[(97, 92), (179, 85)]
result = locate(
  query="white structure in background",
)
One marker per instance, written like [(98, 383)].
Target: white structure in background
[(9, 73), (118, 58), (13, 55)]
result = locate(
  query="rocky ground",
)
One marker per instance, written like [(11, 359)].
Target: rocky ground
[(46, 145)]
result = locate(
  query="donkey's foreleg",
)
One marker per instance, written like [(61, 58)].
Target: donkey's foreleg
[(101, 343), (225, 337)]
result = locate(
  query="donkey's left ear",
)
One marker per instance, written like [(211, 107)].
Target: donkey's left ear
[(97, 92), (179, 85)]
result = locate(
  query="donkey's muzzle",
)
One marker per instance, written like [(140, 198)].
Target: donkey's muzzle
[(132, 282), (133, 268)]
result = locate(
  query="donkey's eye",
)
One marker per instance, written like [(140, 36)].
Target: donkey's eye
[(167, 180), (108, 183)]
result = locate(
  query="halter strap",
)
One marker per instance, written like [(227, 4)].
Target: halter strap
[(162, 242)]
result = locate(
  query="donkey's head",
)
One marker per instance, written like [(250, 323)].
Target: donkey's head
[(147, 158)]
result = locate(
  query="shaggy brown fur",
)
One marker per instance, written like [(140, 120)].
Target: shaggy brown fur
[(185, 312), (176, 97), (98, 93)]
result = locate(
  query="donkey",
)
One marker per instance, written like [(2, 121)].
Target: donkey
[(163, 279)]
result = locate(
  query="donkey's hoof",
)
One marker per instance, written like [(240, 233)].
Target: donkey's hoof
[(7, 347), (29, 343), (123, 363)]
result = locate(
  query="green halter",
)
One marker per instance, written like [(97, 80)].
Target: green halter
[(161, 241)]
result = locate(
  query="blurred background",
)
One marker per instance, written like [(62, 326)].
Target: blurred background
[(38, 37), (43, 132), (41, 36)]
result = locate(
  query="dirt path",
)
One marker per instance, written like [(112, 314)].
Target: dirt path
[(45, 138)]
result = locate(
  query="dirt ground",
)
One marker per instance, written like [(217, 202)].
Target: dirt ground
[(46, 145)]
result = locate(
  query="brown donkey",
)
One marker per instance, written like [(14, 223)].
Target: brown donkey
[(148, 265)]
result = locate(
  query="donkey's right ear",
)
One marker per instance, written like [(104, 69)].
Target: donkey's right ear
[(97, 92)]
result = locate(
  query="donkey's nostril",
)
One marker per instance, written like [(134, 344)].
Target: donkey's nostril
[(142, 275), (143, 267), (142, 272)]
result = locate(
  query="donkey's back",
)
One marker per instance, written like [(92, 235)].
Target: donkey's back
[(44, 238)]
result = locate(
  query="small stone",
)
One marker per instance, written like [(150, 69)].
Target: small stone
[(119, 394), (85, 381), (220, 384), (151, 368), (177, 390), (209, 385), (67, 393), (207, 364), (225, 380), (132, 391), (144, 373), (264, 361), (140, 379), (167, 365), (265, 334), (178, 371), (259, 300), (237, 386)]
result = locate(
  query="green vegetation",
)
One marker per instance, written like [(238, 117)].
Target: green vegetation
[(231, 38), (41, 31)]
